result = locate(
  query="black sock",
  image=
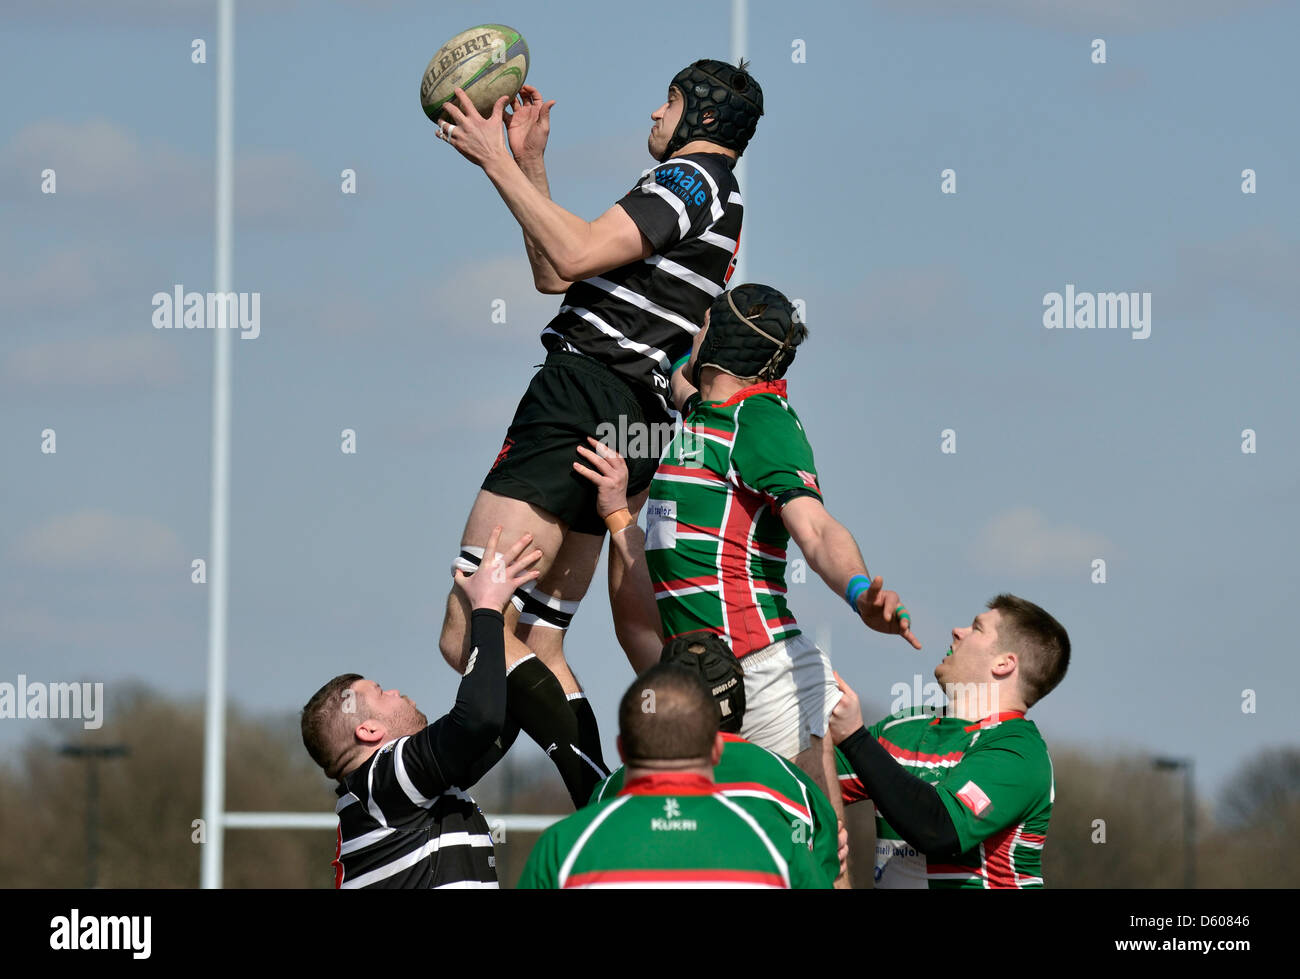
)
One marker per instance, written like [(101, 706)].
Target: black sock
[(536, 702), (589, 740)]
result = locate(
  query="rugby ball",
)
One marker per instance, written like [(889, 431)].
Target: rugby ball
[(488, 62)]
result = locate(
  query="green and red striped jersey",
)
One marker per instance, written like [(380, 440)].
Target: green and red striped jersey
[(715, 542), (776, 792), (995, 779), (667, 830)]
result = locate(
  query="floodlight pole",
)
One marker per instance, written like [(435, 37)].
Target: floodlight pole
[(214, 737), (92, 753), (739, 48), (1186, 766)]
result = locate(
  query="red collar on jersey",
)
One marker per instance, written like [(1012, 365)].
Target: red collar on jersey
[(669, 783), (993, 719), (764, 387), (727, 736), (990, 721)]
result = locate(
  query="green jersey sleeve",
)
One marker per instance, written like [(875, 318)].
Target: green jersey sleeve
[(771, 453), (826, 825), (542, 871), (1001, 780), (806, 872)]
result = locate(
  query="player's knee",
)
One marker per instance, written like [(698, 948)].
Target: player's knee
[(452, 646), (453, 641), (544, 613)]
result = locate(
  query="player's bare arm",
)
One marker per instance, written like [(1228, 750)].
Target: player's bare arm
[(528, 126), (831, 551), (636, 615), (576, 248)]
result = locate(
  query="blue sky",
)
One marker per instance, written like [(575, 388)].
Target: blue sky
[(925, 313)]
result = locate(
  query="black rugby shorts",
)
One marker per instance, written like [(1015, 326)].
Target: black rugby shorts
[(568, 399)]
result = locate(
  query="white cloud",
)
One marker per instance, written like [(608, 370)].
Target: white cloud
[(97, 539), (1020, 541), (136, 360)]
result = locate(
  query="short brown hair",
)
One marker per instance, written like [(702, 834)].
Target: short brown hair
[(325, 725), (668, 714), (1040, 641)]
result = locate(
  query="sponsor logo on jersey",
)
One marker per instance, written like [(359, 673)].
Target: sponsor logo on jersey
[(974, 798), (691, 189), (809, 479), (672, 810), (660, 524)]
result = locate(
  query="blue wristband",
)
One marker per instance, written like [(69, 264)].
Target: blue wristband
[(679, 363), (856, 586)]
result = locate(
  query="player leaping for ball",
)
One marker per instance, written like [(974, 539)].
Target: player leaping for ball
[(734, 486), (636, 284)]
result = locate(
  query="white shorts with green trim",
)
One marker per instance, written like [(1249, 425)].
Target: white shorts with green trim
[(790, 692)]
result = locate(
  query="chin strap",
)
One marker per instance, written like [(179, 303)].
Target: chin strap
[(784, 345)]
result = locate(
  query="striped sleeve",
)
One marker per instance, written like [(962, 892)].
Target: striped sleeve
[(771, 453), (673, 201)]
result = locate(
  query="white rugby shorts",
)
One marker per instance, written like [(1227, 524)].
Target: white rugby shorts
[(790, 692)]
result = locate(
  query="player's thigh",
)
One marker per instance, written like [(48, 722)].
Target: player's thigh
[(818, 763), (515, 518)]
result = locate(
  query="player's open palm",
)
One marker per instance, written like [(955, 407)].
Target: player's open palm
[(609, 472), (528, 124), (476, 138), (498, 574), (884, 612)]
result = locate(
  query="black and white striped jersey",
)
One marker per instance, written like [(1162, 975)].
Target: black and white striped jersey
[(403, 820), (392, 835), (641, 317)]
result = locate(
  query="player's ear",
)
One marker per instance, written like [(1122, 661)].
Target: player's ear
[(1005, 664), (370, 732), (716, 755)]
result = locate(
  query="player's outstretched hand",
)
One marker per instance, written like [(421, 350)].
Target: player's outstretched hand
[(528, 124), (609, 474), (498, 574), (883, 611), (481, 141), (847, 715)]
